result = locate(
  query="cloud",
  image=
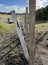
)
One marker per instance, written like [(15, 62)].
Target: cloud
[(19, 9), (40, 3), (1, 5)]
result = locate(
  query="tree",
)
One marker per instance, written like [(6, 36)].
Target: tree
[(42, 14), (46, 12)]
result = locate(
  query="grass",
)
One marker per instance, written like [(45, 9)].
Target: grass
[(4, 27), (4, 16), (42, 27)]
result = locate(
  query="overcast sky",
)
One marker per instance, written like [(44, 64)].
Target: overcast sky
[(19, 5)]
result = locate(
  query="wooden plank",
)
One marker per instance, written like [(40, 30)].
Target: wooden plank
[(21, 37), (32, 31), (23, 22)]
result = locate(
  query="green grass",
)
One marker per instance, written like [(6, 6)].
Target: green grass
[(42, 27), (4, 27)]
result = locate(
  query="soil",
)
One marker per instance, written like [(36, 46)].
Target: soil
[(15, 56)]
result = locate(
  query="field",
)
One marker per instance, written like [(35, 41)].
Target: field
[(8, 41), (4, 16), (6, 27), (42, 27)]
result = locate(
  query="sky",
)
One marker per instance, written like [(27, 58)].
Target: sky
[(19, 5)]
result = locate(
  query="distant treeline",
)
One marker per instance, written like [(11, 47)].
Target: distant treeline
[(5, 13), (42, 14)]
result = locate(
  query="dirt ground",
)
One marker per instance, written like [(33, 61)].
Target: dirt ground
[(42, 44), (41, 39)]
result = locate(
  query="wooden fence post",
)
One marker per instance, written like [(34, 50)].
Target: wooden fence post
[(26, 20), (32, 31), (20, 35)]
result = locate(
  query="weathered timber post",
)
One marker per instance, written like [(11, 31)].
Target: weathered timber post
[(23, 22), (20, 35), (26, 20), (32, 31)]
